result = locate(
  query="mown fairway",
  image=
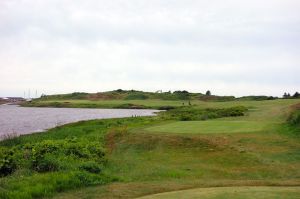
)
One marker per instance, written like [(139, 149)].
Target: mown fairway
[(255, 156), (207, 127), (232, 193)]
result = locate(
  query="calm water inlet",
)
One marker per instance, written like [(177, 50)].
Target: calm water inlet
[(26, 120)]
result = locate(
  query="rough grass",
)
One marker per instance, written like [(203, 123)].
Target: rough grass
[(63, 158), (149, 103)]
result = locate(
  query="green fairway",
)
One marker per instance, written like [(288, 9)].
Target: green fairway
[(207, 127), (232, 193)]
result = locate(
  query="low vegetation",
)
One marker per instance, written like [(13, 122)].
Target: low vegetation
[(196, 145), (294, 117), (194, 114)]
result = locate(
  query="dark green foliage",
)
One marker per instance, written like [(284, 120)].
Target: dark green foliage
[(78, 159), (45, 163), (296, 95), (119, 91), (7, 161), (216, 98), (182, 95), (193, 114), (294, 118), (286, 95), (166, 108), (258, 98), (131, 106), (50, 155), (91, 167)]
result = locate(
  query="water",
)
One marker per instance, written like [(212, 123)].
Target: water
[(15, 120)]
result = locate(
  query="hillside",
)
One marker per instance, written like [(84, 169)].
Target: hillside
[(134, 99)]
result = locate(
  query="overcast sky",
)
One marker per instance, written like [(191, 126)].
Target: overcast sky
[(230, 47)]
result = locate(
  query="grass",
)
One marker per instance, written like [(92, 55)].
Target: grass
[(106, 103), (145, 156), (233, 193), (208, 127)]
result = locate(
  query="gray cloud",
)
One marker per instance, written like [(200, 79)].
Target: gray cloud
[(233, 47)]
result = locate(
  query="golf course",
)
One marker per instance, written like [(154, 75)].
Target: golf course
[(196, 149), (142, 99)]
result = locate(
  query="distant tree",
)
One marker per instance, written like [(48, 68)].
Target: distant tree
[(285, 95), (296, 95), (181, 92), (182, 95), (208, 93), (288, 95), (119, 90)]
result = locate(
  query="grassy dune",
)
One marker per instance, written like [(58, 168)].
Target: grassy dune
[(145, 156)]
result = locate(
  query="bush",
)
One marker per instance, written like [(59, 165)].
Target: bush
[(258, 98), (51, 155), (192, 114), (46, 163), (232, 112), (91, 167), (166, 108), (186, 117), (182, 95), (294, 118), (7, 162)]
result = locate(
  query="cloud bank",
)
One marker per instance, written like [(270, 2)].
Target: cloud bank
[(230, 47)]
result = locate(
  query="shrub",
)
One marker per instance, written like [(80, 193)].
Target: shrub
[(166, 108), (232, 112), (186, 117), (192, 114), (294, 118), (91, 167), (51, 155), (182, 95), (46, 163), (7, 162)]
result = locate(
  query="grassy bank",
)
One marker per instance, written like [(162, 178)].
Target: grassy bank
[(183, 148), (139, 104)]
